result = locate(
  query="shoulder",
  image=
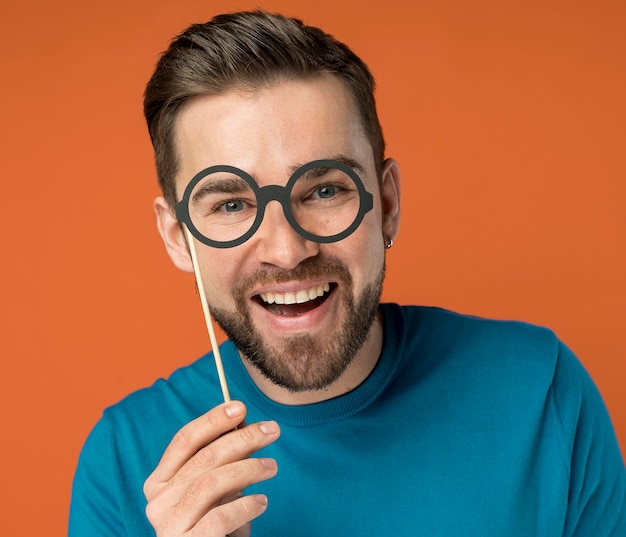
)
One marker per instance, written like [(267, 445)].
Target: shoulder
[(445, 337), (168, 403), (474, 329), (179, 387), (144, 421), (510, 365), (149, 416), (125, 445)]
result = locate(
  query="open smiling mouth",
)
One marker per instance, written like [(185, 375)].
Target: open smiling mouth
[(296, 303)]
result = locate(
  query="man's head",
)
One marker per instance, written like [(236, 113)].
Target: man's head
[(247, 51), (299, 310)]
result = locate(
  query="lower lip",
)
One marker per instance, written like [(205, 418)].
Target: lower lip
[(306, 322)]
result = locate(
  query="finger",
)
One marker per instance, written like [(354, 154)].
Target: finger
[(192, 437), (208, 491), (234, 446), (228, 518), (176, 513)]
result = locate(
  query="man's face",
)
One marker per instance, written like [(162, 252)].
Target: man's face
[(298, 310)]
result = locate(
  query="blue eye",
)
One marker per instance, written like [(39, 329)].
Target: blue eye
[(327, 191), (233, 206)]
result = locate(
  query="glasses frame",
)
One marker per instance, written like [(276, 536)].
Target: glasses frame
[(281, 194)]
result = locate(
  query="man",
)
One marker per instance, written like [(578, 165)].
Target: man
[(359, 418)]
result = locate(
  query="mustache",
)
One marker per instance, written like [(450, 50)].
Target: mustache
[(331, 269)]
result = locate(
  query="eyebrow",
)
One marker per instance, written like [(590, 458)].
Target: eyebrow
[(347, 161), (237, 185), (226, 185)]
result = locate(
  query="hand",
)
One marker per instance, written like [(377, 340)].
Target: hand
[(196, 487)]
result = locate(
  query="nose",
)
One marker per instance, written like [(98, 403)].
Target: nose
[(278, 244)]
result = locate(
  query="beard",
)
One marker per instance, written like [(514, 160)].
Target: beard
[(303, 362)]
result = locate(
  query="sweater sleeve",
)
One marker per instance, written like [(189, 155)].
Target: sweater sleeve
[(597, 490), (94, 508)]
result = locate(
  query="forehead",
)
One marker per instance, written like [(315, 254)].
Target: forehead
[(271, 129)]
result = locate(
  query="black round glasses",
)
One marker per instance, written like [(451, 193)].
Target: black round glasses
[(324, 201)]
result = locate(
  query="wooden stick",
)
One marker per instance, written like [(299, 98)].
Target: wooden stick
[(207, 316)]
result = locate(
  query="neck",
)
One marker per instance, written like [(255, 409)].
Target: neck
[(356, 372)]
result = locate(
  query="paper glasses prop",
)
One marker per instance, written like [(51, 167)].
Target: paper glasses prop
[(324, 201)]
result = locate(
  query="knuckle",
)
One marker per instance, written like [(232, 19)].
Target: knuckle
[(248, 509), (248, 435), (152, 487), (215, 419), (220, 518), (151, 512), (207, 457), (251, 508), (154, 513), (147, 488), (202, 488), (183, 438), (266, 466)]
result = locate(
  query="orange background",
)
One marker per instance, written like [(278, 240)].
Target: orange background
[(508, 120)]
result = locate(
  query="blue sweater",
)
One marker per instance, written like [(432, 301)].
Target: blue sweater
[(465, 427)]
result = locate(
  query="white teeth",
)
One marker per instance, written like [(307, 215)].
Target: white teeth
[(299, 297)]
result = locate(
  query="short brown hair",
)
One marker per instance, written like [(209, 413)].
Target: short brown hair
[(247, 50)]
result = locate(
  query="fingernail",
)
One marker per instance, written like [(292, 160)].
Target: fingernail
[(270, 464), (234, 409), (269, 427), (261, 498)]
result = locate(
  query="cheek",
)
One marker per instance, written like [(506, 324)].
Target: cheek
[(219, 274), (374, 249), (365, 253)]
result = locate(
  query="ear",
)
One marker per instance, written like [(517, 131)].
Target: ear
[(172, 235), (390, 196)]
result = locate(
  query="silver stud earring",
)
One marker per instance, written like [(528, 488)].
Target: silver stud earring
[(389, 244)]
